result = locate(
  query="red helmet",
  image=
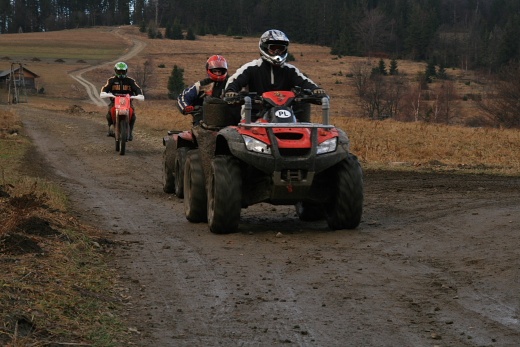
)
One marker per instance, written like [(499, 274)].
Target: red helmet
[(216, 67)]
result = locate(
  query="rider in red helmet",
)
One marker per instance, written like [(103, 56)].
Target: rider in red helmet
[(213, 85)]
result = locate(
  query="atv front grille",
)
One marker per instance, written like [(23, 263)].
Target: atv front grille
[(294, 152), (289, 136)]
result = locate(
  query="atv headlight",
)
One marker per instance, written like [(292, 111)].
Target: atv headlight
[(328, 146), (254, 145)]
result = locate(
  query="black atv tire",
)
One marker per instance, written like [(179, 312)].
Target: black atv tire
[(169, 157), (195, 200), (309, 212), (224, 195), (180, 160), (345, 207)]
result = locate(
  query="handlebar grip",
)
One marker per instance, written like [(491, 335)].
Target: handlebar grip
[(106, 95)]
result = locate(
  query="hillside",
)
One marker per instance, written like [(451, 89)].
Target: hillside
[(377, 144), (327, 70)]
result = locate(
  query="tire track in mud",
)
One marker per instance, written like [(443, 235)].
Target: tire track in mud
[(424, 239)]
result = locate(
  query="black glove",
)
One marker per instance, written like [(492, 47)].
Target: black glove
[(230, 94), (319, 92), (231, 97)]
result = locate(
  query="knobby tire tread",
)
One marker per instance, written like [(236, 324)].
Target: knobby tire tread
[(224, 195), (195, 200), (345, 207)]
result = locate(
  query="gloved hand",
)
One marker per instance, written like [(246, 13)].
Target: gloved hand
[(319, 92), (230, 94), (188, 109)]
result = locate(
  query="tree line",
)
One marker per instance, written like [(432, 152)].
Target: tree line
[(471, 34)]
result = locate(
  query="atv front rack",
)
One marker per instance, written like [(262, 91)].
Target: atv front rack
[(325, 106), (285, 125)]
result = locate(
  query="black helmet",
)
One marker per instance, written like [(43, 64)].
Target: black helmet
[(273, 47), (121, 69)]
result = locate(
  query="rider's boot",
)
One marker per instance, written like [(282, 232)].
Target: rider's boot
[(110, 131), (132, 122)]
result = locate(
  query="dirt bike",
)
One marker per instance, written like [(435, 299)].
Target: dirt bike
[(271, 157), (122, 114)]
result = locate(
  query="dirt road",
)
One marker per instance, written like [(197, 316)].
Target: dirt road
[(435, 261)]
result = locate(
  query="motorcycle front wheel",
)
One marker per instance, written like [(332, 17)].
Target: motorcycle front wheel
[(123, 136)]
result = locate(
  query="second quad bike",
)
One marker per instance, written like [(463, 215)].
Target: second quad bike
[(223, 165)]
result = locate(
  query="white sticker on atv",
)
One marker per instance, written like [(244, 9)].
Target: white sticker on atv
[(283, 114)]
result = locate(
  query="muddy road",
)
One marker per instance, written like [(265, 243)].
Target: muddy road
[(435, 261)]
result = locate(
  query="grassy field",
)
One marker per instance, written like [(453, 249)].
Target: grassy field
[(379, 144), (38, 290)]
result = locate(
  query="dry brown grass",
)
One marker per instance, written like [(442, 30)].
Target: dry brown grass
[(56, 288), (92, 45), (379, 144)]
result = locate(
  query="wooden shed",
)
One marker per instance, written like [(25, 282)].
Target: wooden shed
[(21, 76)]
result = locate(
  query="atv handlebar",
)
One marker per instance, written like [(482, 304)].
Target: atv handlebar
[(301, 96), (104, 95)]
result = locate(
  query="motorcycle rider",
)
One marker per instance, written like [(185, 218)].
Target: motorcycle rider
[(120, 83), (213, 85), (271, 72)]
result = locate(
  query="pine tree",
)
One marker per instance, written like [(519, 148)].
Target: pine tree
[(176, 32), (382, 67), (430, 72), (176, 82), (190, 35), (441, 73), (393, 67), (152, 33), (168, 31), (142, 27)]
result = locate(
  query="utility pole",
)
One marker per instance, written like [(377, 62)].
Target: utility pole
[(16, 92)]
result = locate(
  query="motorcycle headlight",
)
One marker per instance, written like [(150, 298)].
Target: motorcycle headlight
[(254, 145), (328, 146)]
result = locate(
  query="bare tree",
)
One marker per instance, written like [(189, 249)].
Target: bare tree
[(414, 101), (444, 95), (397, 87), (360, 72), (502, 104), (380, 96), (142, 74), (371, 29)]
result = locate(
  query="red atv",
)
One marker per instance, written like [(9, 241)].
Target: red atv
[(272, 158)]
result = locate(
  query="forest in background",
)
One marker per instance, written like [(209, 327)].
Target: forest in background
[(468, 34)]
